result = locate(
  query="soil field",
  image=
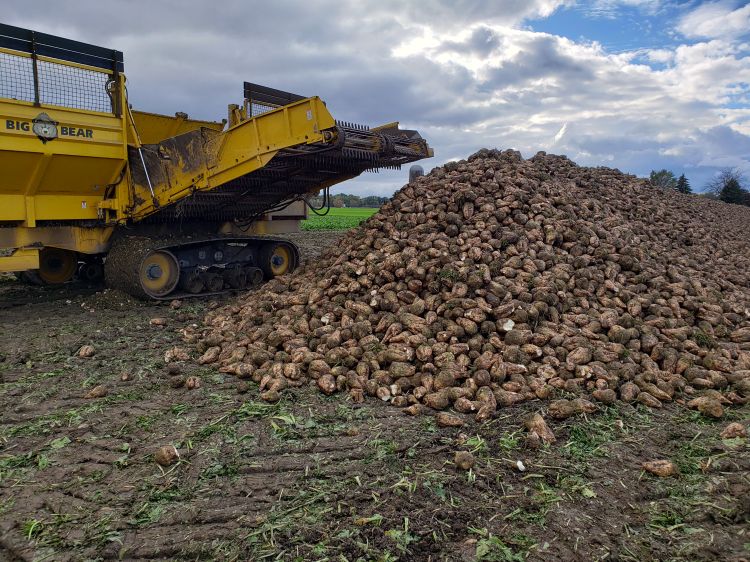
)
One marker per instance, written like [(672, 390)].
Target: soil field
[(319, 478)]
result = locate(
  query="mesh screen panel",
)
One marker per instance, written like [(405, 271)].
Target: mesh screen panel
[(16, 78), (73, 87), (259, 108), (59, 84)]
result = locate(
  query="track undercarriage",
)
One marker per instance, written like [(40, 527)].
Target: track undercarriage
[(193, 266), (175, 267)]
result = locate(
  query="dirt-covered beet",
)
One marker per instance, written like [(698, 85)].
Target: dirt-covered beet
[(498, 280)]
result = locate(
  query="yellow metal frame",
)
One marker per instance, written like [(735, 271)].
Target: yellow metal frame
[(64, 178), (77, 238), (219, 156), (20, 260), (153, 128), (213, 159), (88, 177)]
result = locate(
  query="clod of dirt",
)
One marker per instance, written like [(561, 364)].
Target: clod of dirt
[(177, 382), (192, 383), (532, 441), (125, 376), (99, 391), (539, 428), (175, 304), (176, 354), (158, 321), (464, 460), (733, 431), (242, 387), (498, 280), (444, 419), (661, 468), (707, 406), (173, 369), (86, 351), (166, 455)]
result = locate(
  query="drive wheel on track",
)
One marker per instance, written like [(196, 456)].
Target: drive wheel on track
[(57, 266), (277, 258), (159, 273)]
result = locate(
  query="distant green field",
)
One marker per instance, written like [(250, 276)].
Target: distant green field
[(338, 219)]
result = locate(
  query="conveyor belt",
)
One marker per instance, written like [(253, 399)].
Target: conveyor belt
[(297, 172)]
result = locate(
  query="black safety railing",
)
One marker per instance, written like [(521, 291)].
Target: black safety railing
[(44, 82), (263, 99)]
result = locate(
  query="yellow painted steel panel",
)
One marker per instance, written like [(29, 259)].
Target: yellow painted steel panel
[(261, 137), (20, 260), (64, 177), (78, 239), (154, 128), (12, 208), (15, 168), (71, 174), (65, 207), (91, 128)]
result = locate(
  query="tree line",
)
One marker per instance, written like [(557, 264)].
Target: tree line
[(730, 185)]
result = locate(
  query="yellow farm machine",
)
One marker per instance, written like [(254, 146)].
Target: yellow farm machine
[(161, 206)]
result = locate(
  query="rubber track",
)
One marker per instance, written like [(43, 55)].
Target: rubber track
[(122, 263), (126, 254)]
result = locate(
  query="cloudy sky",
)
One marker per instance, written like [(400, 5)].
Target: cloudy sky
[(632, 84)]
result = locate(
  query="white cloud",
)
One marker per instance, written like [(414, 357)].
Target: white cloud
[(453, 14), (464, 73), (716, 19), (616, 109), (560, 134), (660, 56)]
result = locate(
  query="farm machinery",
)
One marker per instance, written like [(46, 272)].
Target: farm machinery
[(161, 206)]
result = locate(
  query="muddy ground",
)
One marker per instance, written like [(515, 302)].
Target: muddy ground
[(317, 478)]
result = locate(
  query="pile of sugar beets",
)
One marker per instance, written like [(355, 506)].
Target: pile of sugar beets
[(496, 280)]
